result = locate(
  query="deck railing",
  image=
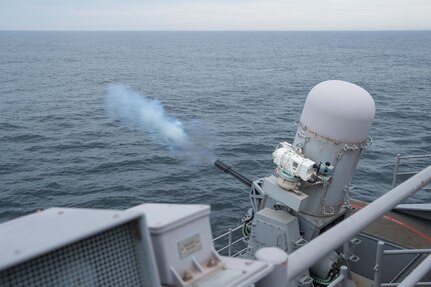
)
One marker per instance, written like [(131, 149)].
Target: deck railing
[(408, 158), (309, 254), (413, 278), (313, 251), (231, 242)]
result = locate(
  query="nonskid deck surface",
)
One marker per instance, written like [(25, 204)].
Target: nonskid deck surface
[(398, 228)]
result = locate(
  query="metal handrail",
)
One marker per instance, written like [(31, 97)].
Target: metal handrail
[(407, 251), (379, 264), (227, 233), (231, 243), (309, 254), (398, 158)]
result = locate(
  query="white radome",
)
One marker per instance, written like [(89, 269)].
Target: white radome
[(339, 110)]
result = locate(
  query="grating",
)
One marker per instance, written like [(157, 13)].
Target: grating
[(111, 258)]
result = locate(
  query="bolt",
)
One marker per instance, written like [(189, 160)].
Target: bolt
[(212, 262), (187, 276)]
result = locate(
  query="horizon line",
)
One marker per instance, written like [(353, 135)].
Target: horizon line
[(251, 30)]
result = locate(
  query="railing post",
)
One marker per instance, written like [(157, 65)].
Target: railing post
[(396, 168), (378, 266), (344, 273), (229, 250), (345, 249), (341, 280)]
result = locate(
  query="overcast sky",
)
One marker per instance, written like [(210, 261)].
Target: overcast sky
[(215, 15)]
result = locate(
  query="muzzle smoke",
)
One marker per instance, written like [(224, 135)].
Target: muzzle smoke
[(139, 112)]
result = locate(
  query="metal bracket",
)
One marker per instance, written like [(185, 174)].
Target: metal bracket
[(354, 258), (299, 243), (351, 147), (376, 268), (355, 241), (330, 212), (367, 143), (305, 280)]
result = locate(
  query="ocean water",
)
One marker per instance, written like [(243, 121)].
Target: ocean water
[(239, 91)]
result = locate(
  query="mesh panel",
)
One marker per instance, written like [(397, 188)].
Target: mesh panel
[(109, 258)]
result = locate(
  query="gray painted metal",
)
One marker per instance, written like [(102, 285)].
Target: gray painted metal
[(393, 266), (378, 267), (308, 255), (332, 129), (407, 251), (342, 278), (274, 228), (396, 169), (417, 273), (415, 207), (419, 210), (326, 199), (312, 226), (288, 198), (68, 246), (396, 284), (277, 257), (29, 236)]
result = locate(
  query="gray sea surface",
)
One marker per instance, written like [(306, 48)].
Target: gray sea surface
[(240, 92)]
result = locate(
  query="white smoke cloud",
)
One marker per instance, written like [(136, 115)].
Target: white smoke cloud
[(137, 111)]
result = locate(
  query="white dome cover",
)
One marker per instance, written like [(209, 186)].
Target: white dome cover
[(339, 110)]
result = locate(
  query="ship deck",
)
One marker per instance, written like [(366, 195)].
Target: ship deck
[(399, 228)]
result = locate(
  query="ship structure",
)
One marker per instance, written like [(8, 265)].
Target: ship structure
[(302, 229)]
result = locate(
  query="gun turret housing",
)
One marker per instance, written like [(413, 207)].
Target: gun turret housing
[(333, 129)]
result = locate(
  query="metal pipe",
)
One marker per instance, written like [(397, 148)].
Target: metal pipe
[(417, 274), (228, 169), (344, 272), (379, 265), (407, 251), (395, 279), (229, 251), (222, 249), (308, 255), (345, 249), (396, 284), (407, 173), (397, 165), (416, 156), (236, 241), (342, 278), (227, 233)]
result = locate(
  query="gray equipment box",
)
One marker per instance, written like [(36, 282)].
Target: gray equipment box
[(289, 198), (77, 247), (274, 228), (181, 236)]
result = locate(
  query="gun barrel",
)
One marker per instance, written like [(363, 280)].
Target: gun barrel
[(228, 169)]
